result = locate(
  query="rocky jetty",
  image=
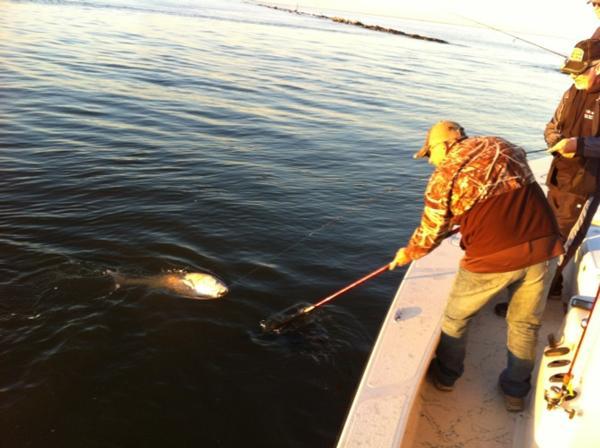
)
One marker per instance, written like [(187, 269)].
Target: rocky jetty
[(357, 23)]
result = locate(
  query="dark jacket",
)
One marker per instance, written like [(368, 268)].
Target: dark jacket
[(579, 175)]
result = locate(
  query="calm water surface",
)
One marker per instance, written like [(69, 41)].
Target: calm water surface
[(269, 148)]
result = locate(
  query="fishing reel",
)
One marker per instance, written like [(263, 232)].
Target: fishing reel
[(559, 397)]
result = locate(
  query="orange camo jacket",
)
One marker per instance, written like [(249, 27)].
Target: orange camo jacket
[(475, 169)]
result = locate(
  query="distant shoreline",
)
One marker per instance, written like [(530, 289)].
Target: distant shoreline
[(356, 23)]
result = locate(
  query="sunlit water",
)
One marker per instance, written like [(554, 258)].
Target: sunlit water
[(269, 148)]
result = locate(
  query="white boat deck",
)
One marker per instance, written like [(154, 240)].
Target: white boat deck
[(473, 414), (396, 407)]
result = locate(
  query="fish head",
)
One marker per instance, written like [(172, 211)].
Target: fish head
[(206, 285)]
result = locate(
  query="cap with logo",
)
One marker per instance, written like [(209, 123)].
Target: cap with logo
[(585, 54), (442, 131)]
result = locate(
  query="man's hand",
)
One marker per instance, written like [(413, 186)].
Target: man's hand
[(401, 259), (566, 147)]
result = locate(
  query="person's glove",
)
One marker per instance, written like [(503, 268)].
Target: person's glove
[(565, 147), (400, 259)]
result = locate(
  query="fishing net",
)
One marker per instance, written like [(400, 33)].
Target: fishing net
[(285, 320)]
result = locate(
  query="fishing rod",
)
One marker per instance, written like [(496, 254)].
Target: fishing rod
[(568, 378), (511, 35), (559, 396), (537, 150)]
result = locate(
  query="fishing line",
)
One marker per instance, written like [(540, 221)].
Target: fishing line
[(335, 220), (511, 35), (331, 221)]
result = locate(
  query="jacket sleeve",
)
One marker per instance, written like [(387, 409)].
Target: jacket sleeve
[(436, 218), (588, 147), (552, 133)]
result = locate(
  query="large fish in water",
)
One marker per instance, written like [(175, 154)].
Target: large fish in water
[(193, 285)]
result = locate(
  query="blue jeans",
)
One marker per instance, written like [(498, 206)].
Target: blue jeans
[(528, 290)]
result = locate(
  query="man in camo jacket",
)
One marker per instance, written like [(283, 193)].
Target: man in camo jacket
[(510, 238)]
